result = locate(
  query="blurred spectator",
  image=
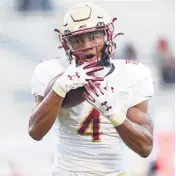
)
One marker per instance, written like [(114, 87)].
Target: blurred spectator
[(130, 52), (13, 169), (166, 61), (163, 165), (153, 167), (28, 5)]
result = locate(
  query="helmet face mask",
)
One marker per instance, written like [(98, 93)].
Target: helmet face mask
[(87, 33), (87, 46)]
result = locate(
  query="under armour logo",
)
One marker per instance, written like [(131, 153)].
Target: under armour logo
[(107, 107), (76, 75)]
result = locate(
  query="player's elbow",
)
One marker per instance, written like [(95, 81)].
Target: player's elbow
[(34, 135), (145, 151)]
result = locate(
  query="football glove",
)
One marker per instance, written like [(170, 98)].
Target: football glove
[(103, 99), (76, 76)]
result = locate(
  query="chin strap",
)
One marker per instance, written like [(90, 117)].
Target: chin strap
[(110, 70), (106, 54), (105, 58)]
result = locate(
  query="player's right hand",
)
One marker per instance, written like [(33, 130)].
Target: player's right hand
[(76, 76), (103, 99)]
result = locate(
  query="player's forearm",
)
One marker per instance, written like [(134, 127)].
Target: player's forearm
[(44, 115), (136, 137)]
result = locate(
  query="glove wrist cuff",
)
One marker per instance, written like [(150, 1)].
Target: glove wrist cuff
[(58, 88), (117, 119)]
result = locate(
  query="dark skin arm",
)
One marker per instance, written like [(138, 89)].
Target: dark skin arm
[(44, 114), (137, 130)]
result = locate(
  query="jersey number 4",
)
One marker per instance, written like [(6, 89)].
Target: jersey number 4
[(91, 121)]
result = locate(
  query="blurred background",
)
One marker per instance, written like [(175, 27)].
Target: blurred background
[(27, 37)]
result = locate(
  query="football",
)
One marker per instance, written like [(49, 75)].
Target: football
[(72, 98)]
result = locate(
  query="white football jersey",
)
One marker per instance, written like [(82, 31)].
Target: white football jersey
[(88, 141)]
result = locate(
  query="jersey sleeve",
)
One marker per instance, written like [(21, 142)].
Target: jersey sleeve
[(137, 86), (44, 73), (141, 90), (37, 82)]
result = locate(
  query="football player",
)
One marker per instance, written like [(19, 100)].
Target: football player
[(114, 112)]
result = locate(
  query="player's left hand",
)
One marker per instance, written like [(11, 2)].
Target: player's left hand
[(100, 97), (103, 99)]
